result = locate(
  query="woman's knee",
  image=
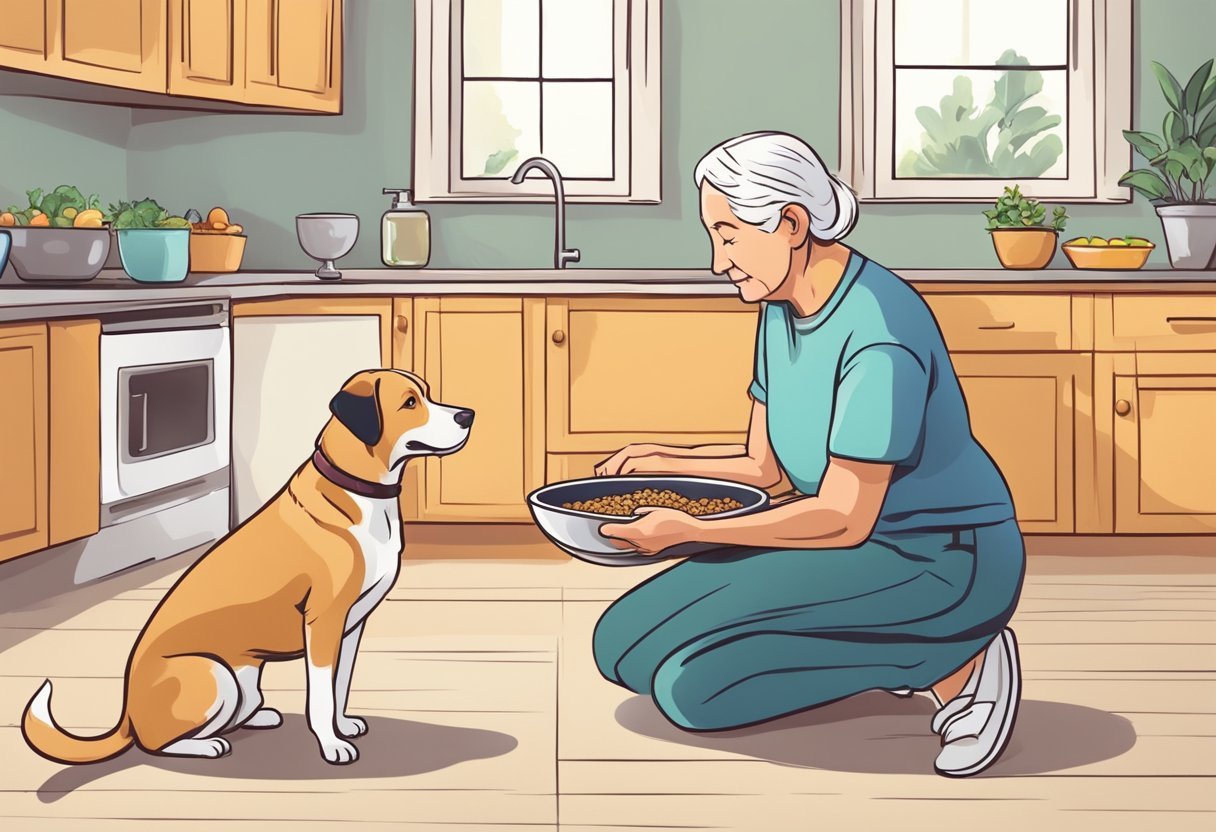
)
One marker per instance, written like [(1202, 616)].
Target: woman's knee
[(683, 693)]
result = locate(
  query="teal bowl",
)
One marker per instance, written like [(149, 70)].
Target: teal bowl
[(155, 255), (6, 242)]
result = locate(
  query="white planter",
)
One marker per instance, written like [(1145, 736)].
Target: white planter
[(1190, 235)]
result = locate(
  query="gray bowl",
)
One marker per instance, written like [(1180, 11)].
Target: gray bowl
[(59, 254), (578, 532)]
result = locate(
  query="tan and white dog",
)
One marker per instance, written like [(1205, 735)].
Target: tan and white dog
[(299, 578)]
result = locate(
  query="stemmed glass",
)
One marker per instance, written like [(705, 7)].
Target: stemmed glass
[(326, 237)]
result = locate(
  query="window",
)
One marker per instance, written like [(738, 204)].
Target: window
[(951, 100), (499, 81)]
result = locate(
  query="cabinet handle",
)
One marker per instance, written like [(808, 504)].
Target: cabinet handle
[(558, 336), (1123, 407), (1003, 325), (1184, 321), (403, 324)]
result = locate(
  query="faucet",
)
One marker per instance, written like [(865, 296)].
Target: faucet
[(561, 254)]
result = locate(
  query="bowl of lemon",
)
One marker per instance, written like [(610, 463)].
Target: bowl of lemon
[(1103, 253)]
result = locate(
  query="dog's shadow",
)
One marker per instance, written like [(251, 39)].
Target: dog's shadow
[(880, 734), (391, 748)]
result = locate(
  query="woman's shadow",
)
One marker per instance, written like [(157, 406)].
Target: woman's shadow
[(391, 748), (878, 733)]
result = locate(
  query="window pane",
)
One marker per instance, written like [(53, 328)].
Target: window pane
[(501, 126), (579, 128), (972, 32), (501, 38), (577, 38), (980, 123)]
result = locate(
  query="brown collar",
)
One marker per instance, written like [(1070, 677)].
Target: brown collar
[(364, 488)]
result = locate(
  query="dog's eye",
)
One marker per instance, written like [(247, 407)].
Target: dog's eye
[(410, 403)]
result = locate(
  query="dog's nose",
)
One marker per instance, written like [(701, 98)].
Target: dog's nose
[(464, 418)]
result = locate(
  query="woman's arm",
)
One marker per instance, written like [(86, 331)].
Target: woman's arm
[(753, 463)]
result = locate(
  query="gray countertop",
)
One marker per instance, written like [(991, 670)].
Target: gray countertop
[(113, 290)]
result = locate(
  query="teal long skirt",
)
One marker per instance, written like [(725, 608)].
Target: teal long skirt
[(740, 636)]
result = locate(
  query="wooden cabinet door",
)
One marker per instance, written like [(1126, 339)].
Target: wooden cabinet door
[(119, 42), (1162, 413), (1031, 412), (647, 370), (23, 440), (74, 353), (289, 359), (485, 354), (24, 34), (207, 48), (294, 54)]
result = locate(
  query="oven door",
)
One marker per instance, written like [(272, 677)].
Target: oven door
[(165, 409)]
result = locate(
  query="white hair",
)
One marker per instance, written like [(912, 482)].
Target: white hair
[(761, 173)]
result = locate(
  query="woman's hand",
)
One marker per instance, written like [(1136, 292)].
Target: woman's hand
[(628, 460), (655, 529)]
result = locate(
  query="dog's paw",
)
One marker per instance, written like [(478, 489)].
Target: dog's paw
[(264, 718), (338, 751), (351, 726)]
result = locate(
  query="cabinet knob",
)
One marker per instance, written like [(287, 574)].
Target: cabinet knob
[(558, 336), (1123, 407), (403, 324)]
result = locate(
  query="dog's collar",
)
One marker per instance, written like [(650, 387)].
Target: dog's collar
[(364, 488)]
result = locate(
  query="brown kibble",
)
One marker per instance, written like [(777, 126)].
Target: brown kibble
[(624, 505)]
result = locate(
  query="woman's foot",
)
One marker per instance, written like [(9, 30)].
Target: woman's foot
[(976, 725)]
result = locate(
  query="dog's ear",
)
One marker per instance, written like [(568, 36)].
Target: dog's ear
[(357, 407)]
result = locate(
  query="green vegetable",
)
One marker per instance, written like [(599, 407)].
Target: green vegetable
[(146, 213)]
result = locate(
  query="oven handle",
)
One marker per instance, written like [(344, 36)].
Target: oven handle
[(143, 423)]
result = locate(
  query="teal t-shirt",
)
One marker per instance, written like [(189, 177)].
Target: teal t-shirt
[(867, 377)]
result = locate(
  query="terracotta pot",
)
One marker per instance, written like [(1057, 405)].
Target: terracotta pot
[(1024, 248)]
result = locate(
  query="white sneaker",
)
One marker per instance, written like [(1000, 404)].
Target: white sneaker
[(902, 692), (976, 725)]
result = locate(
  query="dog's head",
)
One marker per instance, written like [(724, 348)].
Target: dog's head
[(389, 415)]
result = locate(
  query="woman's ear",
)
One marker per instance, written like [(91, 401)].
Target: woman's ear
[(795, 224)]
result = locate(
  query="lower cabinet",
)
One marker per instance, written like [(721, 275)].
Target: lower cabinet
[(1157, 417), (24, 428), (1032, 412), (484, 354)]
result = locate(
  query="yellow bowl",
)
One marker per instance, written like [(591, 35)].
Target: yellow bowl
[(216, 253), (1108, 257)]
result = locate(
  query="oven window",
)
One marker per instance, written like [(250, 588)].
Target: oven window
[(166, 408)]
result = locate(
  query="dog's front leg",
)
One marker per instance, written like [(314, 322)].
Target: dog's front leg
[(348, 726), (322, 647)]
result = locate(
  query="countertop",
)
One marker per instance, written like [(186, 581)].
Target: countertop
[(114, 291)]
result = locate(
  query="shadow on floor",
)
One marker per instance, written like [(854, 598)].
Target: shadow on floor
[(391, 748), (880, 734)]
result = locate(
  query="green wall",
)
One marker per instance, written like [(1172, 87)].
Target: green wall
[(728, 67)]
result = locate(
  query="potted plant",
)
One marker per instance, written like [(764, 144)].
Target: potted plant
[(153, 245), (1182, 163), (1019, 235)]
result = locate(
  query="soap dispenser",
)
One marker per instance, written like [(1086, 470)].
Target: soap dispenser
[(405, 233)]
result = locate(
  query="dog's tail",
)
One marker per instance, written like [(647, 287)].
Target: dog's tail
[(54, 743)]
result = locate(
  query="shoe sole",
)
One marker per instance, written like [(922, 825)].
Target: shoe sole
[(1014, 668)]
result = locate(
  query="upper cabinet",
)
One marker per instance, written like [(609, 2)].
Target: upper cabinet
[(265, 53)]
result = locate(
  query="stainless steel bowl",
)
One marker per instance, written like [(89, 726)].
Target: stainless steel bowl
[(578, 532), (59, 254)]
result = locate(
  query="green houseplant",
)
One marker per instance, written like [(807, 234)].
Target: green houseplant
[(1182, 167), (1021, 235), (153, 245)]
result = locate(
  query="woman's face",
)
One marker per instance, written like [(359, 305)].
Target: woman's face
[(756, 261)]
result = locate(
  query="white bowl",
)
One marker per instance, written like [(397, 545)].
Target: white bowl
[(578, 532)]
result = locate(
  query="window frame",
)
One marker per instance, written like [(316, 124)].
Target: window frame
[(1100, 109), (436, 129)]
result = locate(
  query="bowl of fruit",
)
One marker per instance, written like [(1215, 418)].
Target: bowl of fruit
[(1126, 253), (60, 236), (217, 245)]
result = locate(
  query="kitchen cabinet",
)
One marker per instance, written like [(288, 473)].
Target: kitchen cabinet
[(293, 54), (1156, 415), (24, 484), (289, 359), (73, 349), (117, 43), (485, 354), (674, 371), (1032, 413), (207, 48), (25, 35)]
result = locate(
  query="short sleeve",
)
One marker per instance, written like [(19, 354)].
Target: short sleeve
[(880, 405), (759, 386)]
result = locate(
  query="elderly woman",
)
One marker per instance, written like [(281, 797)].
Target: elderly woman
[(899, 565)]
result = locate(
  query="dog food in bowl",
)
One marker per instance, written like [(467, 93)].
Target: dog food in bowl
[(624, 505)]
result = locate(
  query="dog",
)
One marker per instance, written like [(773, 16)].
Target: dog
[(297, 579)]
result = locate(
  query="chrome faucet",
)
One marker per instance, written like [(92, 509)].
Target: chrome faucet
[(561, 254)]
